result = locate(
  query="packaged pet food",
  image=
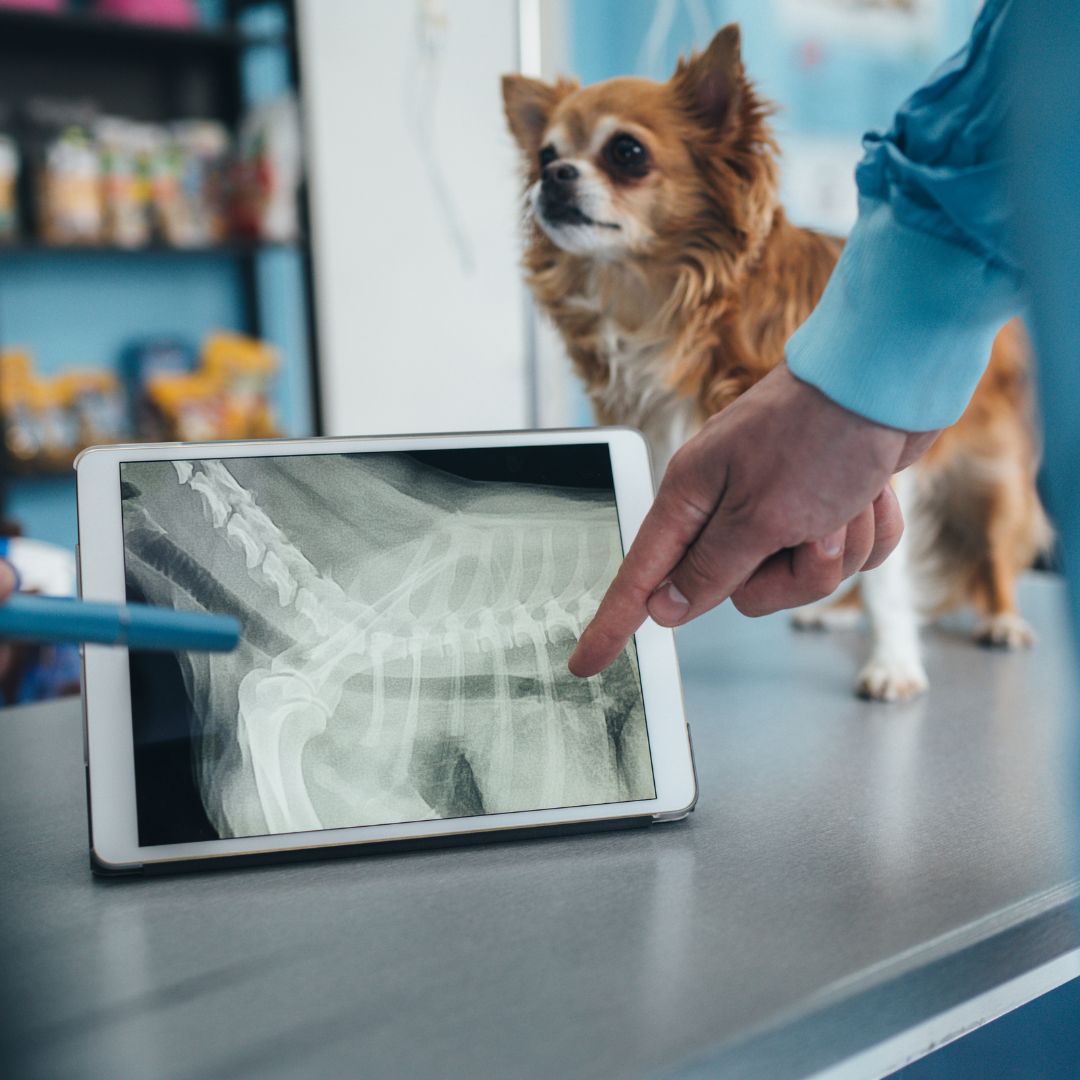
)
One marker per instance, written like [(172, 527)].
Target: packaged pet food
[(50, 405), (70, 197), (41, 7), (175, 13), (142, 363), (68, 188), (194, 214), (122, 150), (48, 420), (20, 430), (9, 176), (97, 404), (268, 172), (244, 368), (190, 406)]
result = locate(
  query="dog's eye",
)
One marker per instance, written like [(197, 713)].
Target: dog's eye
[(625, 152), (547, 156)]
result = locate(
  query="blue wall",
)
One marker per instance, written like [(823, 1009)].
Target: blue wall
[(849, 87)]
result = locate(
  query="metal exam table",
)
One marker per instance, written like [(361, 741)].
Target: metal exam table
[(859, 883)]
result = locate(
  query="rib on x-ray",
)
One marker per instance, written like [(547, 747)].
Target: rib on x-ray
[(405, 639)]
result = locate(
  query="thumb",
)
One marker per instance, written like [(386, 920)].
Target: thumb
[(723, 556)]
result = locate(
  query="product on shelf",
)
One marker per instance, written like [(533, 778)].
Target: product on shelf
[(67, 173), (226, 398), (9, 175), (39, 425), (114, 181), (142, 363), (124, 149), (163, 182), (16, 373), (244, 367), (47, 421), (192, 207), (71, 210), (268, 172), (97, 402), (177, 13), (190, 405), (43, 7), (53, 408)]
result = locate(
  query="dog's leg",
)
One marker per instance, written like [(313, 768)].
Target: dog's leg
[(841, 613), (1001, 625), (895, 669)]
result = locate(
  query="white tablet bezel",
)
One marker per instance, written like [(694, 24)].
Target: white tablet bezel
[(106, 687)]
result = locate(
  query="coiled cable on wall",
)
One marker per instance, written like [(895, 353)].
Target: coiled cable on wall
[(431, 26)]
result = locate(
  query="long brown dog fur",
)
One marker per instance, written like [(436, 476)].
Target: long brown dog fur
[(725, 279)]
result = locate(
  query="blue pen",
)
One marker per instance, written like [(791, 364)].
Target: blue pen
[(138, 626)]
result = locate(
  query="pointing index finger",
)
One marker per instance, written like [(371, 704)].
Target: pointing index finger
[(669, 528)]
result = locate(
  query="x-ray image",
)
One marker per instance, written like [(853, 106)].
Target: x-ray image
[(407, 621)]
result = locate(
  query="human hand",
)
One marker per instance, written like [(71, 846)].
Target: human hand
[(773, 503), (8, 579)]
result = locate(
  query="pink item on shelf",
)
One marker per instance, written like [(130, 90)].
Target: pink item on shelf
[(51, 7), (160, 12)]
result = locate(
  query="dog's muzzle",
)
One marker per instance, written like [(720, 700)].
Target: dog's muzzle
[(558, 195)]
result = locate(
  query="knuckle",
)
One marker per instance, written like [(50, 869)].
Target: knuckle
[(681, 469), (772, 521), (827, 582), (750, 606), (680, 461), (680, 484), (700, 568), (817, 581)]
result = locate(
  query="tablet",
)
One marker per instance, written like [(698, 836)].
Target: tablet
[(408, 608)]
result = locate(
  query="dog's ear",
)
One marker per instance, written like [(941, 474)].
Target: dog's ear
[(710, 84), (529, 104)]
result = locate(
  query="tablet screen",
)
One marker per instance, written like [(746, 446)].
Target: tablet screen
[(407, 621)]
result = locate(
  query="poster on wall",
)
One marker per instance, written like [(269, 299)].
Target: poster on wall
[(890, 24)]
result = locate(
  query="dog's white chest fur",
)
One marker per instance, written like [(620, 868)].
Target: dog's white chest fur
[(637, 393)]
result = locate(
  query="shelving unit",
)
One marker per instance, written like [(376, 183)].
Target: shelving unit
[(153, 74), (231, 247)]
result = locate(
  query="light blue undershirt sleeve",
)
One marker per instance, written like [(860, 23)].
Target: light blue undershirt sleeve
[(903, 331)]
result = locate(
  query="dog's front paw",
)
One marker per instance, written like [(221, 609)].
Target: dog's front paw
[(825, 616), (891, 679), (1008, 631)]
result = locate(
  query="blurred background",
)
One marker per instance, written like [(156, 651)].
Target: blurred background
[(230, 219)]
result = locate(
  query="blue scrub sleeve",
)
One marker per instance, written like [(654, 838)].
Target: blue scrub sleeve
[(903, 331)]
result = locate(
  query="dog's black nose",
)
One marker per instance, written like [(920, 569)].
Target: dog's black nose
[(560, 170), (558, 176)]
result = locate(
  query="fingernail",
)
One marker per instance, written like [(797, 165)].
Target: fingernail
[(833, 544), (667, 605)]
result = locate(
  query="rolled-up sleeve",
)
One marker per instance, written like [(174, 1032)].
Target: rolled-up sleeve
[(903, 331)]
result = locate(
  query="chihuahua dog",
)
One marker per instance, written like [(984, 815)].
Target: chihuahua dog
[(656, 244)]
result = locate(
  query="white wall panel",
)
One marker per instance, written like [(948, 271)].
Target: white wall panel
[(413, 336)]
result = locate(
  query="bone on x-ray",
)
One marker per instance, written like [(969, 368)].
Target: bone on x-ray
[(406, 633)]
